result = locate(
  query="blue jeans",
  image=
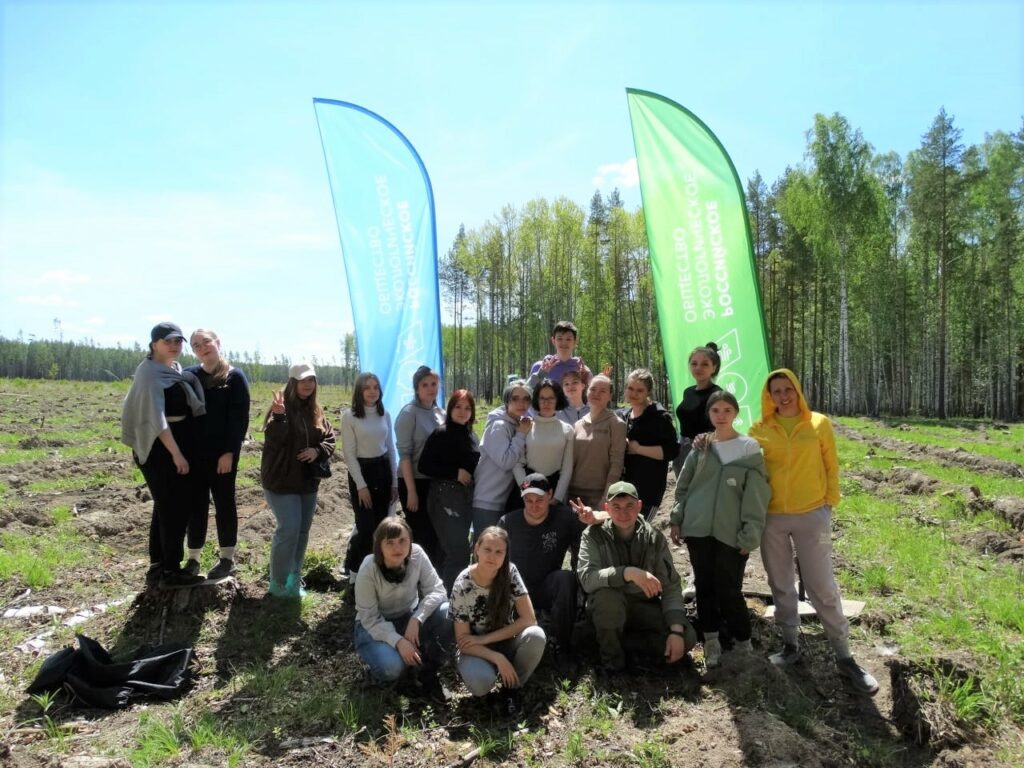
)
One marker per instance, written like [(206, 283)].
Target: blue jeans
[(386, 664), (294, 513)]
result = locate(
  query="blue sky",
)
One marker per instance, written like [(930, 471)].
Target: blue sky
[(161, 160)]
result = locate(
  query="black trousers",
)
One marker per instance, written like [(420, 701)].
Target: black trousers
[(377, 474), (175, 497), (222, 489), (423, 532), (557, 594), (718, 577)]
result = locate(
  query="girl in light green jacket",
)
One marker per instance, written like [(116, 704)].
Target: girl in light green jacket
[(720, 506)]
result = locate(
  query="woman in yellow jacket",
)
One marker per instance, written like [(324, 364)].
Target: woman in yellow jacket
[(803, 471)]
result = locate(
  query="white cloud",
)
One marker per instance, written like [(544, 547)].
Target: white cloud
[(112, 264), (63, 277), (51, 300), (328, 325), (621, 175)]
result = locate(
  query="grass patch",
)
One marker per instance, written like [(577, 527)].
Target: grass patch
[(61, 514), (58, 736), (966, 700), (35, 558), (11, 456), (945, 595), (852, 457), (606, 710), (207, 735), (976, 436), (99, 479), (6, 496), (324, 707), (84, 433), (158, 742), (651, 753), (989, 485), (248, 470), (102, 445)]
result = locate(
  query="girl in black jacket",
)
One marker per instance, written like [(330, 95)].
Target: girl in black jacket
[(692, 411), (449, 458), (225, 426), (650, 441)]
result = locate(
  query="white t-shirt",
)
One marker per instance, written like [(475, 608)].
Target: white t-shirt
[(739, 447)]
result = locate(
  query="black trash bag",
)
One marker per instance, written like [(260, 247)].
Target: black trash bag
[(91, 675), (51, 675)]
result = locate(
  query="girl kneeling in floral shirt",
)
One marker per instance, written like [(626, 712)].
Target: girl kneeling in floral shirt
[(487, 596)]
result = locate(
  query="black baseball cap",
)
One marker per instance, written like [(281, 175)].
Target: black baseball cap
[(166, 332), (536, 484)]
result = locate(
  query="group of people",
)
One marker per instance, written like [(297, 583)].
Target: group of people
[(186, 428), (487, 524)]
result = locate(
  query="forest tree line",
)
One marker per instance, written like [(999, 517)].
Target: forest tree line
[(86, 361), (890, 285)]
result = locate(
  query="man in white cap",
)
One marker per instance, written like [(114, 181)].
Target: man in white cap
[(627, 573)]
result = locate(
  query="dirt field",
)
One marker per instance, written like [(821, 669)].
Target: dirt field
[(284, 680)]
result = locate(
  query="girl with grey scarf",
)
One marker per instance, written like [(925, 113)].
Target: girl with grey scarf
[(159, 422)]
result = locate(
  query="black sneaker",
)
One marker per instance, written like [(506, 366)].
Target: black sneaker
[(787, 657), (430, 686), (565, 664), (862, 680), (191, 567), (179, 580), (153, 575), (224, 568), (513, 703)]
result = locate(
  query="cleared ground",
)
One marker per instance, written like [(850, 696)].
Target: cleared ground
[(929, 536)]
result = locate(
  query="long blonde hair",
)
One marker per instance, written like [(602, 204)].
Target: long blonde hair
[(219, 375)]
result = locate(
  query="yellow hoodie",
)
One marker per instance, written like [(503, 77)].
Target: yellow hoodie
[(803, 468)]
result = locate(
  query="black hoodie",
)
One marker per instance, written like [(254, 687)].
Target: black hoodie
[(652, 427)]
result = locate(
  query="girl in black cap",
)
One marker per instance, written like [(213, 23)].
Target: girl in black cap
[(159, 422)]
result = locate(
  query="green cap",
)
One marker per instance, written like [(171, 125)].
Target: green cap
[(622, 488)]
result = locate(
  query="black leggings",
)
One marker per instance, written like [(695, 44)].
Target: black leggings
[(222, 488), (718, 577), (377, 475), (175, 497), (419, 521)]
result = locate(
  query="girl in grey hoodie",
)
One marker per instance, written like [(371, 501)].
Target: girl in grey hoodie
[(501, 448)]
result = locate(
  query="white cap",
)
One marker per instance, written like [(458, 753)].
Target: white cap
[(301, 371)]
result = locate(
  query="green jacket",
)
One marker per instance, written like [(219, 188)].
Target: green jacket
[(728, 502), (604, 557)]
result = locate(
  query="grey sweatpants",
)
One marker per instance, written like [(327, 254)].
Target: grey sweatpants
[(525, 651), (810, 534)]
